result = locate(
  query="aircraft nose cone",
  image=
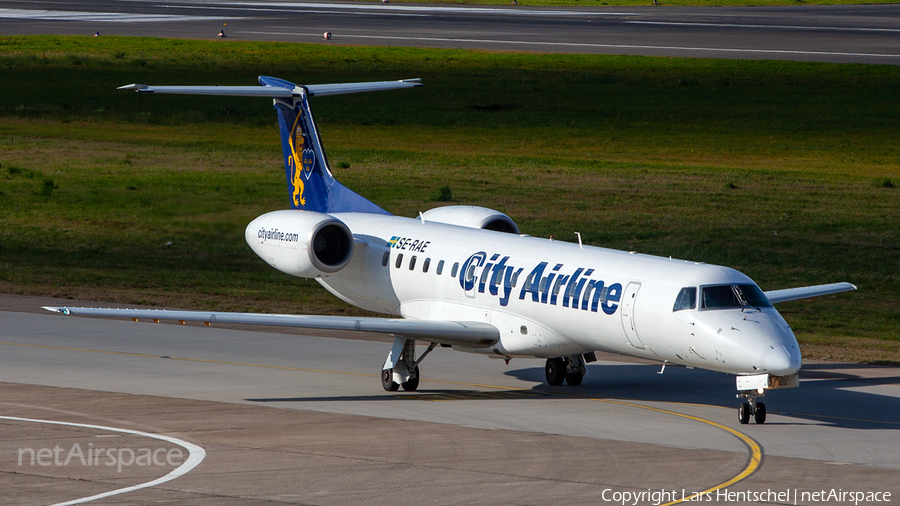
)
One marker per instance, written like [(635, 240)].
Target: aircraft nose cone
[(779, 362)]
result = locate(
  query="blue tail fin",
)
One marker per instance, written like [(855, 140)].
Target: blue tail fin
[(310, 182)]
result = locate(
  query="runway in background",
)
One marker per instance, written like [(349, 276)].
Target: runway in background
[(860, 34)]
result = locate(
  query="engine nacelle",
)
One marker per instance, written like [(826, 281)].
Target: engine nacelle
[(301, 243), (473, 217)]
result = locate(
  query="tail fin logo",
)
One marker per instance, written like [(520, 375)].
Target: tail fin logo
[(307, 160)]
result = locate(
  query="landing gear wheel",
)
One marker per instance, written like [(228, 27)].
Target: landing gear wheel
[(555, 371), (744, 413), (387, 380), (760, 415), (413, 382), (574, 378)]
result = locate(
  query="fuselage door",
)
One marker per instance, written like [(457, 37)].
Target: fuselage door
[(629, 299)]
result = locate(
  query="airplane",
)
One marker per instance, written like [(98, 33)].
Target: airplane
[(466, 278)]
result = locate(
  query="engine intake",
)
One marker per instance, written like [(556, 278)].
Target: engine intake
[(332, 246)]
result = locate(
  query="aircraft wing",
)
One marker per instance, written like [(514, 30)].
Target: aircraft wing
[(471, 334), (776, 296)]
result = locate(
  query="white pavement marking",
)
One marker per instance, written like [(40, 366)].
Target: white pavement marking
[(195, 457), (586, 44), (411, 8), (117, 17), (319, 11), (774, 27)]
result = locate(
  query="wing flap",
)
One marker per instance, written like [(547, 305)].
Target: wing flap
[(472, 334), (776, 296)]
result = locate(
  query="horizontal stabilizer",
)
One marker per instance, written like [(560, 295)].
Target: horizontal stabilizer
[(318, 90), (471, 334), (776, 296), (225, 91), (282, 90)]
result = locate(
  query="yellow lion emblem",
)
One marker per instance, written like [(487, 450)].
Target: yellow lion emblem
[(296, 172)]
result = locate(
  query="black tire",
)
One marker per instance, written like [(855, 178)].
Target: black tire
[(744, 413), (760, 415), (412, 384), (387, 380), (555, 371), (574, 378)]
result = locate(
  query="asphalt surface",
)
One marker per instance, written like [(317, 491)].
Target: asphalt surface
[(301, 419), (861, 34)]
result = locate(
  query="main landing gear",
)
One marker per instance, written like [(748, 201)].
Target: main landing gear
[(750, 407), (401, 369), (410, 385), (570, 369)]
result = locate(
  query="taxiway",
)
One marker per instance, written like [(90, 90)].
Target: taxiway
[(295, 418)]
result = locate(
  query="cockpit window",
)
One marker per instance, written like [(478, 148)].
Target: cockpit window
[(733, 297), (687, 299)]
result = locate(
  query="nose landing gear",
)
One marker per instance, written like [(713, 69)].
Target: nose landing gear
[(751, 407)]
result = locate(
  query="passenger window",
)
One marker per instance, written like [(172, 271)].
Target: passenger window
[(543, 285), (604, 293), (557, 285), (515, 278), (455, 269), (570, 291), (440, 268), (385, 258), (687, 299), (399, 261), (528, 283), (412, 263), (426, 264)]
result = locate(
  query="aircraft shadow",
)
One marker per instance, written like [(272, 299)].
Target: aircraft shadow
[(827, 400), (424, 394)]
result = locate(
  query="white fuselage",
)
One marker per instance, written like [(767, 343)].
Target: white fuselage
[(551, 298)]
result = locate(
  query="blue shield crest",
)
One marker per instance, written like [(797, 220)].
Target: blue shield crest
[(309, 162)]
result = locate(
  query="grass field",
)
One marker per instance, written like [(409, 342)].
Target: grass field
[(786, 171)]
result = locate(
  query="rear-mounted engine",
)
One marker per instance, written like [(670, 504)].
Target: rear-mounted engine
[(301, 243), (473, 217)]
